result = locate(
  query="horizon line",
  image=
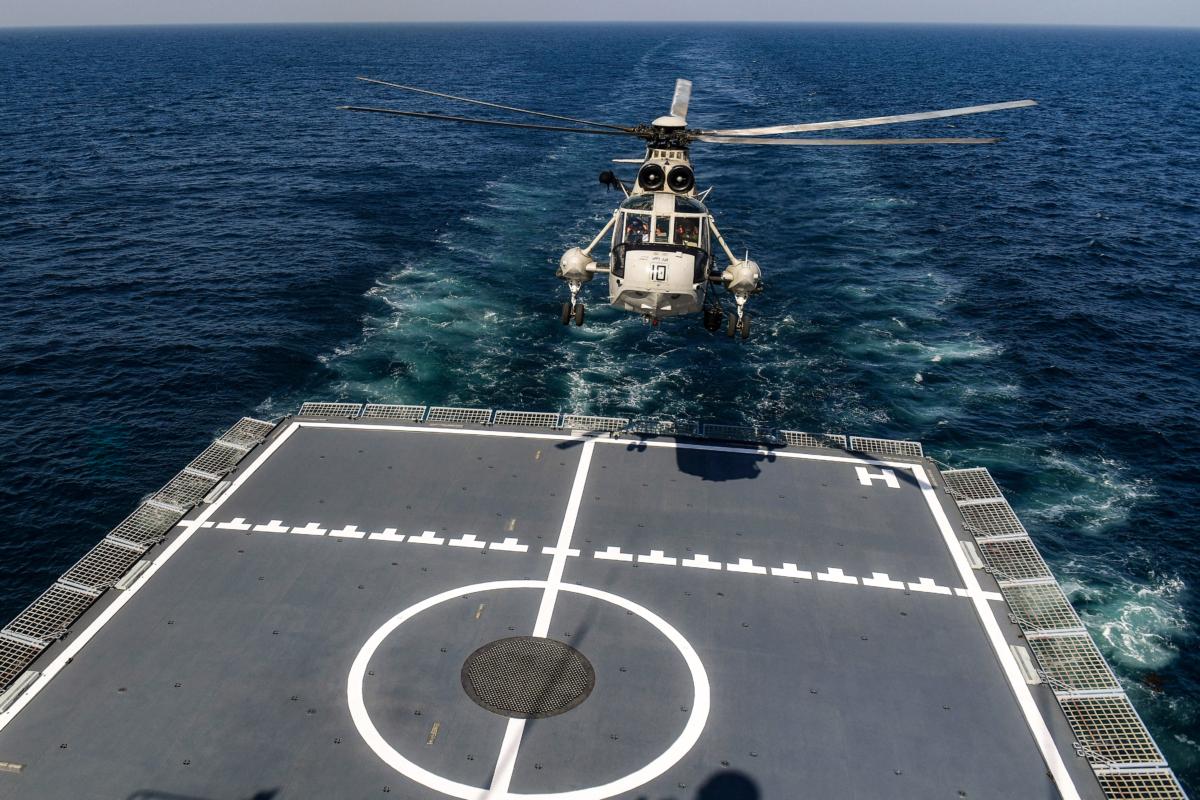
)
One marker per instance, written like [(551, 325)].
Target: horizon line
[(693, 23)]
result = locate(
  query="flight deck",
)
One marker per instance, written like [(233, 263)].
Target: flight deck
[(442, 604)]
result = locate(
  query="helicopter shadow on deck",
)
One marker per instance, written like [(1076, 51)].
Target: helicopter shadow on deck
[(728, 784), (703, 463)]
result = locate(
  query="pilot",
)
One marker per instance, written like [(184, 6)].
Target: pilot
[(635, 230), (687, 231)]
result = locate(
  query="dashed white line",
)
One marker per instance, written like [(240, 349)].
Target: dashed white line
[(612, 553), (746, 565), (928, 585), (835, 575), (880, 580), (790, 570), (387, 535), (657, 557)]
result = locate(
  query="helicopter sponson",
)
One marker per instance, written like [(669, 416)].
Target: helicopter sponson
[(576, 265), (742, 278)]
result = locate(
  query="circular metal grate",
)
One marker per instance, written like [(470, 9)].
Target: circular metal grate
[(528, 677)]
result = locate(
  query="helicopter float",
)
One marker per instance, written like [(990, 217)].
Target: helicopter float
[(661, 252)]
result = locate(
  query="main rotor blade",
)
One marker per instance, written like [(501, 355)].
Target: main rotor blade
[(495, 105), (474, 121), (683, 95), (859, 123), (815, 142)]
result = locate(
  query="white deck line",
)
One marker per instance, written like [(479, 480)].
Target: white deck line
[(506, 762), (81, 638), (1008, 662), (748, 450)]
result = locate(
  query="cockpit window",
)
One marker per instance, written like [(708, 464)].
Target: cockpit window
[(687, 231), (639, 202), (662, 229), (637, 228), (686, 205)]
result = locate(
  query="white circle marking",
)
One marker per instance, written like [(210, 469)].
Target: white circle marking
[(687, 738)]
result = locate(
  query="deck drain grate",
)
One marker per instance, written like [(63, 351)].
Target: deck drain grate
[(1156, 784), (1110, 731), (895, 447), (247, 432), (103, 565), (15, 656), (147, 525), (217, 459), (49, 616), (459, 416), (386, 411), (1014, 559), (802, 439), (528, 677), (1041, 606), (528, 419), (186, 489), (975, 483), (1072, 663), (583, 422), (345, 410), (992, 519)]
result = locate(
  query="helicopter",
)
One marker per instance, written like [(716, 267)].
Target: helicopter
[(661, 237)]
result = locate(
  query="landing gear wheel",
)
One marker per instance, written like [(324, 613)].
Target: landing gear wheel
[(578, 314), (745, 326), (731, 327), (566, 313)]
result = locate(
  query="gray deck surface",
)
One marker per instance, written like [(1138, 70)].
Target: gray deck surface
[(225, 674)]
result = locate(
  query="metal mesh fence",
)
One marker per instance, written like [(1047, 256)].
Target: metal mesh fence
[(583, 422), (346, 410), (992, 519), (894, 447), (49, 616), (802, 439), (15, 656), (1150, 784), (384, 411), (528, 419), (459, 416), (1110, 731), (1072, 663), (103, 565), (975, 483)]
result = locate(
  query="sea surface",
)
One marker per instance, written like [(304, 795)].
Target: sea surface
[(190, 232)]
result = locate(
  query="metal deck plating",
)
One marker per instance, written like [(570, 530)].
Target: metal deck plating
[(782, 619)]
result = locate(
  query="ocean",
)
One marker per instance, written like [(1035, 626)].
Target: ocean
[(190, 231)]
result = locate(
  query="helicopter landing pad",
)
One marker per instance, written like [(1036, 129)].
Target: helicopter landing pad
[(428, 612)]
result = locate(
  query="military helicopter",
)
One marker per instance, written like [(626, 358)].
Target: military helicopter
[(661, 255)]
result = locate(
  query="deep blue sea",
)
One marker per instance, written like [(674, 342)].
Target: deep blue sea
[(190, 232)]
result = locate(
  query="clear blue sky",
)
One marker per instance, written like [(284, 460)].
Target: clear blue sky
[(1173, 13)]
